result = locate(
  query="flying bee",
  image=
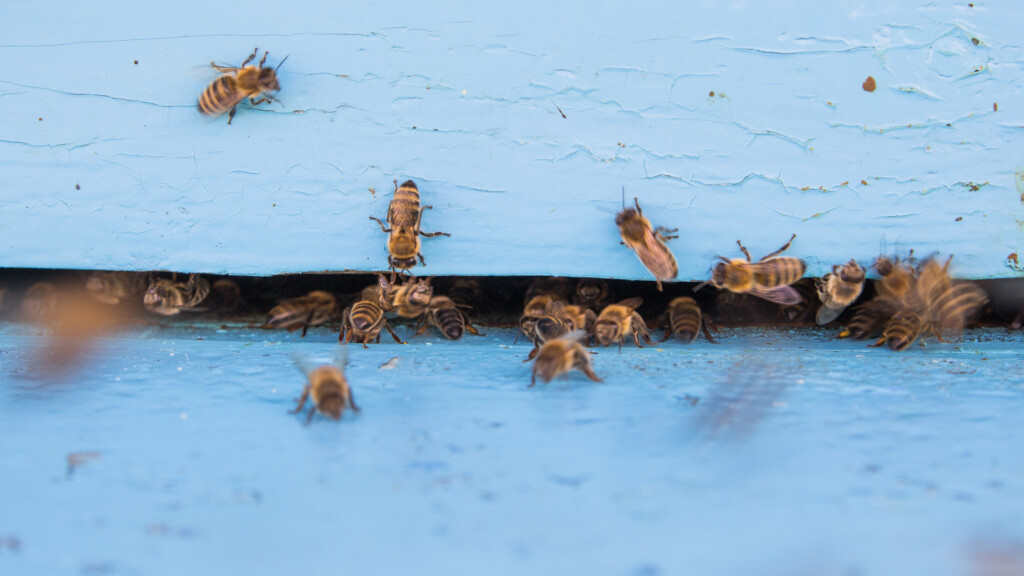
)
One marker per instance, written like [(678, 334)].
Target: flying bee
[(41, 303), (618, 321), (404, 215), (112, 287), (557, 286), (769, 278), (591, 293), (167, 297), (225, 93), (538, 307), (685, 320), (647, 242), (838, 290), (957, 306), (410, 300), (364, 321), (560, 356), (313, 309), (328, 388), (445, 315)]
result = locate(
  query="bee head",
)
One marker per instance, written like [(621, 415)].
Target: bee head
[(548, 328), (852, 273), (718, 274), (606, 333), (331, 406), (94, 284), (268, 80), (402, 263), (884, 265)]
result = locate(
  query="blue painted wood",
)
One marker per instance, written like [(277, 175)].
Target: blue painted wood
[(772, 452), (729, 121)]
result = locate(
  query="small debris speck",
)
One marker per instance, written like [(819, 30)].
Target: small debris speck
[(975, 41), (136, 62), (995, 106), (869, 84), (959, 219)]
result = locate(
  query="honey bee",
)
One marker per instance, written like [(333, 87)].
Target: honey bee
[(364, 321), (404, 215), (902, 330), (410, 300), (445, 315), (557, 287), (685, 320), (897, 277), (868, 319), (538, 307), (167, 297), (313, 309), (112, 287), (225, 93), (769, 278), (227, 294), (647, 242), (466, 292), (328, 387), (957, 306), (617, 321), (41, 303), (838, 290), (560, 356), (592, 293)]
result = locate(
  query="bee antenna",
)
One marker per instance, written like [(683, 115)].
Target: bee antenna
[(279, 64), (623, 197), (701, 285)]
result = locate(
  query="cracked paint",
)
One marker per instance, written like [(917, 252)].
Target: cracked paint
[(519, 129)]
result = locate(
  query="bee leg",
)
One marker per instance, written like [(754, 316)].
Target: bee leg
[(432, 234), (636, 339), (659, 285), (386, 230), (422, 261), (264, 60), (637, 203), (302, 400), (707, 334), (533, 353), (251, 56), (745, 252), (352, 402), (663, 232), (231, 114), (309, 417), (260, 101), (620, 346), (473, 331), (393, 335), (780, 250), (585, 367), (533, 379), (878, 343), (305, 325)]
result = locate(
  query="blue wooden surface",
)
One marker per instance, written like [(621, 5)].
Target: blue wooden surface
[(800, 455), (464, 97)]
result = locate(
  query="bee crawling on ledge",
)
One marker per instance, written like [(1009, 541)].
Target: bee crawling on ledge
[(559, 356), (404, 216), (647, 242), (768, 278), (225, 93)]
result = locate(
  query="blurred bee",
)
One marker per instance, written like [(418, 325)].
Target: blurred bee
[(769, 278), (41, 303), (617, 321), (591, 293), (363, 321), (565, 319), (685, 320), (897, 277), (328, 388), (167, 297), (410, 300), (444, 314), (313, 309), (559, 356), (902, 330), (404, 215), (112, 287), (537, 308), (227, 294), (466, 292), (225, 93), (557, 287), (957, 306), (647, 242), (838, 290), (868, 319)]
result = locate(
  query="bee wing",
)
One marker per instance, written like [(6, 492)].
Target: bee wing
[(783, 295), (341, 357), (303, 363), (575, 336), (633, 302), (656, 256), (826, 314)]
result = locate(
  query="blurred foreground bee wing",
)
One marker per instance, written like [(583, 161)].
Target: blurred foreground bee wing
[(784, 295)]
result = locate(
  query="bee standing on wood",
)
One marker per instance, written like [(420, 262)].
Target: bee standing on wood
[(685, 320), (444, 314), (768, 278), (410, 300), (561, 355), (404, 215), (838, 290), (363, 321), (328, 388), (237, 84), (647, 242), (167, 297), (538, 307), (618, 321), (313, 309)]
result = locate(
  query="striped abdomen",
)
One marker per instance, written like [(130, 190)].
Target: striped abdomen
[(957, 306), (685, 318), (902, 330), (450, 322), (404, 211), (366, 317), (781, 271), (220, 96), (549, 328)]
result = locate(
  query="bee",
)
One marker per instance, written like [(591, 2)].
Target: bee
[(591, 293), (902, 330), (41, 303), (225, 93), (868, 319), (364, 320), (404, 215), (379, 293), (167, 297), (647, 242), (466, 292), (538, 307), (444, 314), (685, 320), (559, 356), (897, 277), (328, 387), (227, 295), (617, 321), (410, 300), (806, 308), (957, 306), (112, 287), (838, 290), (558, 287), (769, 278), (313, 309)]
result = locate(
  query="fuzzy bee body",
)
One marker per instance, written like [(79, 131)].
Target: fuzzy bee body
[(329, 390), (538, 307), (466, 292), (404, 216), (838, 290), (112, 287), (769, 278), (648, 243), (445, 315), (556, 287), (411, 299), (685, 320), (168, 298), (560, 356), (591, 293), (228, 91), (619, 321), (363, 322), (902, 330), (313, 309)]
